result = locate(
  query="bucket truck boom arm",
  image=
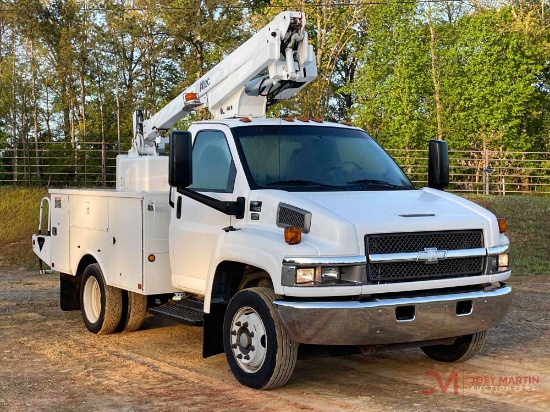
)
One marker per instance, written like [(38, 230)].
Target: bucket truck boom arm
[(272, 65)]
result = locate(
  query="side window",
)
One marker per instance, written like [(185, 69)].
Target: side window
[(213, 167)]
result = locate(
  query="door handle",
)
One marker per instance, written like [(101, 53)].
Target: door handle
[(178, 208), (170, 202)]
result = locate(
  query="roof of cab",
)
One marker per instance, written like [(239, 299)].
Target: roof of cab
[(256, 121)]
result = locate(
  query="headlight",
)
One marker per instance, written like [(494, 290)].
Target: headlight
[(328, 275), (500, 263), (305, 275)]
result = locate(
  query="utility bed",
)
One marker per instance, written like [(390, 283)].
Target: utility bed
[(125, 231)]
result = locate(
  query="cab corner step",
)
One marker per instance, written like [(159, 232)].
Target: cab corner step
[(180, 312)]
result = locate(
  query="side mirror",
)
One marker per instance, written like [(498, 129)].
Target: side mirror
[(438, 165), (180, 163)]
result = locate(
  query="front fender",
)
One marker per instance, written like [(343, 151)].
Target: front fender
[(264, 249)]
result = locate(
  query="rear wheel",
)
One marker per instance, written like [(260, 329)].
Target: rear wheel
[(101, 305), (259, 350), (134, 309), (464, 348)]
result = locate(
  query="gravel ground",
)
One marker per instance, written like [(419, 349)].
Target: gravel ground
[(48, 361)]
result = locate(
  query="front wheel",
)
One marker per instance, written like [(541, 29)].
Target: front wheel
[(464, 348), (259, 350)]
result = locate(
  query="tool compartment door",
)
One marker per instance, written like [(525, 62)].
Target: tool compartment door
[(126, 238), (59, 241), (157, 276)]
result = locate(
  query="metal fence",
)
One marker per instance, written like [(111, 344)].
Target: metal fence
[(92, 164), (484, 172), (60, 164)]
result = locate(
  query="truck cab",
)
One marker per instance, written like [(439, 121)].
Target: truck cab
[(352, 251), (344, 193)]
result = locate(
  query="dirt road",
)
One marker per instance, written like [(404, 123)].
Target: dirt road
[(48, 361)]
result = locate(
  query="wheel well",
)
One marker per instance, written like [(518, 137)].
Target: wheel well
[(84, 263), (255, 277), (232, 277)]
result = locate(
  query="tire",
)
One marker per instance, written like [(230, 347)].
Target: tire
[(134, 308), (101, 305), (464, 348), (252, 329)]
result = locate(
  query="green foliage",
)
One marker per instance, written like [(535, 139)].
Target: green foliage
[(490, 93), (393, 84), (489, 68)]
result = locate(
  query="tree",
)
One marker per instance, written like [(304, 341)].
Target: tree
[(393, 84), (491, 96)]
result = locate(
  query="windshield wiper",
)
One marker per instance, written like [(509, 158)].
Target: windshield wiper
[(299, 182), (376, 182)]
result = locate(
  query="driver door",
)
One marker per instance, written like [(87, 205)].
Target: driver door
[(196, 230)]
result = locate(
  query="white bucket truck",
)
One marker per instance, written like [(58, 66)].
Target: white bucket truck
[(275, 233)]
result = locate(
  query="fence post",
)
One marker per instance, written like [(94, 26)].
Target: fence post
[(103, 165), (486, 174)]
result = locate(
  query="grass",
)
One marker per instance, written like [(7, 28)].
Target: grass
[(528, 228), (19, 208), (528, 219)]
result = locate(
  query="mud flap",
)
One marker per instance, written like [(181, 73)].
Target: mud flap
[(69, 291), (212, 341)]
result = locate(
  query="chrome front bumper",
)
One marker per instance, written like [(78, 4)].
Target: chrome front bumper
[(376, 322)]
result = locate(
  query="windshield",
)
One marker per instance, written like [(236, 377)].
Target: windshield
[(310, 158)]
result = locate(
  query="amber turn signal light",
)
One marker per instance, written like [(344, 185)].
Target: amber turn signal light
[(293, 235), (151, 258), (188, 97), (501, 225)]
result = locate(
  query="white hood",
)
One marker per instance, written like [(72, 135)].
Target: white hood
[(404, 211)]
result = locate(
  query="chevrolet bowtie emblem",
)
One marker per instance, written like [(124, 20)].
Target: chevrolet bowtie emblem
[(431, 255)]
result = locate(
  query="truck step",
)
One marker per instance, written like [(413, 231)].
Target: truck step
[(180, 312)]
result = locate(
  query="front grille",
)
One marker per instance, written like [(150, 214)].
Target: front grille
[(405, 271), (391, 272), (415, 242)]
